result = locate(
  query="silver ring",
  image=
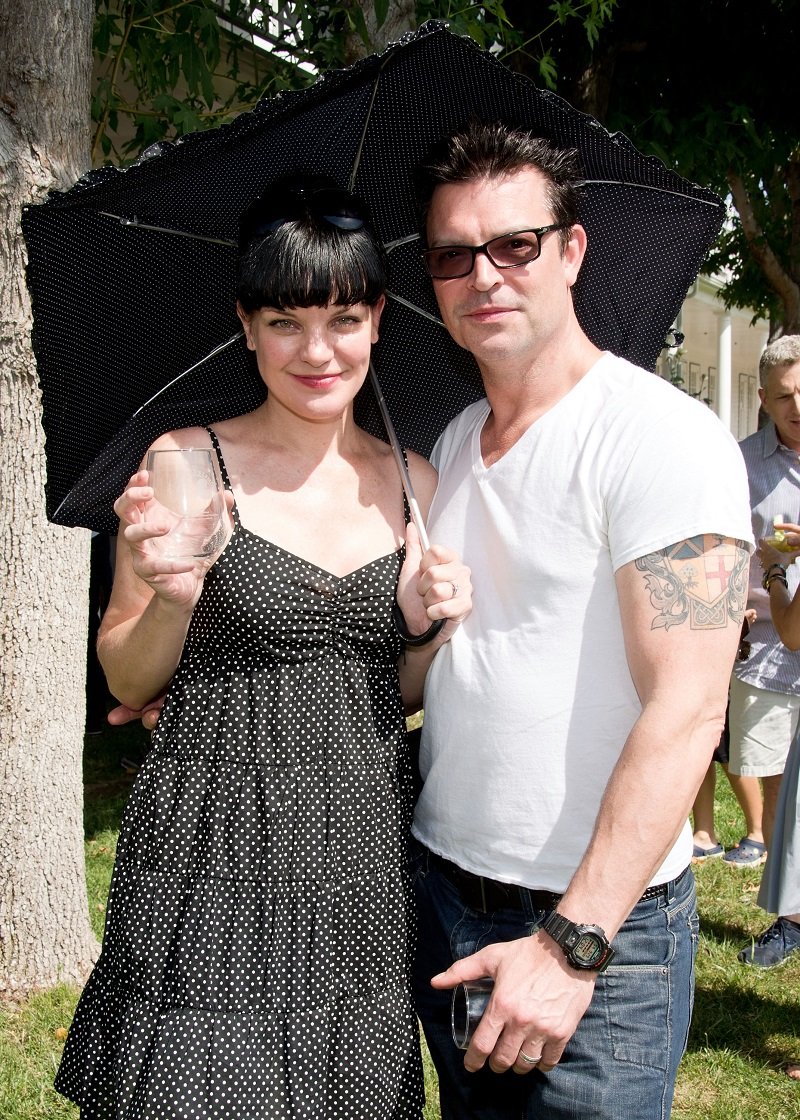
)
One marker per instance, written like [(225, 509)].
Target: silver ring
[(455, 590), (530, 1061)]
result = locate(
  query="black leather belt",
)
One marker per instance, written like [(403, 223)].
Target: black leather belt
[(484, 895)]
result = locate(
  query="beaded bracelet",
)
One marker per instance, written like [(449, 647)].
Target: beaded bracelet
[(410, 639)]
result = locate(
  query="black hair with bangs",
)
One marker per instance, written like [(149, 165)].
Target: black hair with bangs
[(305, 242)]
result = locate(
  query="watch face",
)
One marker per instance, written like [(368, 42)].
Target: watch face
[(588, 950)]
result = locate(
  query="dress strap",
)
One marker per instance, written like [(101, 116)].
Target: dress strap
[(223, 470)]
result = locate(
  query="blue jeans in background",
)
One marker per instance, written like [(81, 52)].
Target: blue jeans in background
[(621, 1062)]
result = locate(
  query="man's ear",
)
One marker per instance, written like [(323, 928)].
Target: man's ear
[(574, 252)]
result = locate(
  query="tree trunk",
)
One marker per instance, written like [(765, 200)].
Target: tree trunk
[(45, 936), (784, 284), (400, 18)]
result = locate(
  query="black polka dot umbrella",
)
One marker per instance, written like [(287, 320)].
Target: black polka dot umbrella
[(132, 271)]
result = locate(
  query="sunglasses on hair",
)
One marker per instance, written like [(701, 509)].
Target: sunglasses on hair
[(329, 204), (448, 262)]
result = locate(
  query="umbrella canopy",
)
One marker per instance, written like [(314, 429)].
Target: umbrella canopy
[(132, 271)]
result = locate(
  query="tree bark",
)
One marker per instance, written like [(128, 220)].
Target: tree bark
[(785, 286), (45, 936), (400, 18)]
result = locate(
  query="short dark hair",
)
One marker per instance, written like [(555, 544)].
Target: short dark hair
[(490, 150), (304, 260)]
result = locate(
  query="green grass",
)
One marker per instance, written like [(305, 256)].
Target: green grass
[(746, 1023)]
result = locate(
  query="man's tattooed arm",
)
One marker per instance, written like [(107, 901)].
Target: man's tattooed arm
[(702, 580)]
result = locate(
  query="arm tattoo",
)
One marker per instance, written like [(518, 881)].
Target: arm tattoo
[(703, 579)]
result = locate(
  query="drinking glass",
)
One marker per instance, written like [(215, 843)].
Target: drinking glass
[(467, 1008), (188, 495), (778, 537)]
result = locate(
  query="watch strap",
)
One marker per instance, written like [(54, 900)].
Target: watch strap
[(567, 936)]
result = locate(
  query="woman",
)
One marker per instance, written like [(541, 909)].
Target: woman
[(255, 956), (780, 884)]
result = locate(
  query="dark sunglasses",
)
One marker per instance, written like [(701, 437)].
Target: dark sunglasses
[(449, 262), (337, 207)]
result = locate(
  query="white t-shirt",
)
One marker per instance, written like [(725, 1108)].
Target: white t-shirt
[(528, 707)]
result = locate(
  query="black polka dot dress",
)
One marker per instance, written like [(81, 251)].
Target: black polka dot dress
[(256, 951)]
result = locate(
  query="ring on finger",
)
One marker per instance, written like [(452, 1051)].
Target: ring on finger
[(455, 590), (529, 1061)]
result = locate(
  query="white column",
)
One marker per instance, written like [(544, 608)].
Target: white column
[(724, 365)]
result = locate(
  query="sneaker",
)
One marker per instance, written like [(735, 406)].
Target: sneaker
[(774, 946), (747, 853), (699, 853)]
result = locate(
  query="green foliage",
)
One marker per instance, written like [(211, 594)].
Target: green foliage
[(529, 43), (166, 67), (700, 86), (488, 24)]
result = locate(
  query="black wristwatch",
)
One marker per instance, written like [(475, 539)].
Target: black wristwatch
[(585, 947)]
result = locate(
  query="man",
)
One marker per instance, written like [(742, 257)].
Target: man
[(604, 515), (765, 689)]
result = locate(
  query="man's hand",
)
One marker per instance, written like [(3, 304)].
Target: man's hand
[(148, 714), (535, 1007)]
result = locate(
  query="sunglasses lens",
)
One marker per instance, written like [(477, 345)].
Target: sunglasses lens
[(510, 250), (344, 221), (337, 208), (334, 206), (448, 262)]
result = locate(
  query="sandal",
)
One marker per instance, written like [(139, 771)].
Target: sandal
[(699, 853), (747, 853)]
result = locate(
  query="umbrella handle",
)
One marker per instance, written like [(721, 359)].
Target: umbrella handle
[(413, 505)]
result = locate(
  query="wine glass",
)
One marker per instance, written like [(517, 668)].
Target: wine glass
[(188, 495)]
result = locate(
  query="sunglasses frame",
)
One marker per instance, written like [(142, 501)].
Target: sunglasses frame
[(474, 250)]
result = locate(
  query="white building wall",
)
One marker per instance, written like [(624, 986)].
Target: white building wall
[(718, 359)]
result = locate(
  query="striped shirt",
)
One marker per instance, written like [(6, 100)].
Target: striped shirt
[(773, 472)]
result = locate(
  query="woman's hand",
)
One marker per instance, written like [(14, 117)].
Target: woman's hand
[(175, 581), (432, 586)]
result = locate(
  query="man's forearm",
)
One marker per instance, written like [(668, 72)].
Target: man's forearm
[(646, 803)]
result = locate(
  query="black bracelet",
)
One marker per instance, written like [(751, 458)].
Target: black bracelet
[(776, 577), (410, 639), (774, 571)]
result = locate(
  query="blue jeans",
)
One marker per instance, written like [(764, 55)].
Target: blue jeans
[(621, 1062)]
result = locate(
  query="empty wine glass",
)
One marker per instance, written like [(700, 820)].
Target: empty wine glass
[(188, 495)]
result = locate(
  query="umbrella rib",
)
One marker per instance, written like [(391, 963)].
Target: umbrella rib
[(362, 141), (396, 244), (413, 307), (165, 229), (647, 187), (217, 349), (399, 458)]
